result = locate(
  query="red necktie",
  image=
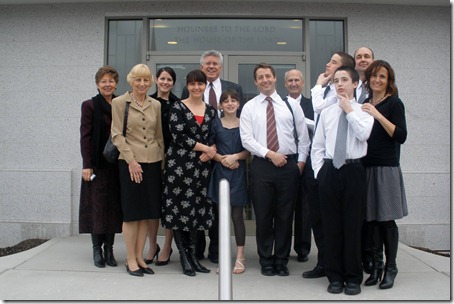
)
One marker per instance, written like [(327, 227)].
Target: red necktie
[(271, 132), (212, 97)]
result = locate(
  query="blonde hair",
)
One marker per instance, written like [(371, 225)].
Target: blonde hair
[(139, 71)]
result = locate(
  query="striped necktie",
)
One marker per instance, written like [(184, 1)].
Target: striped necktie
[(271, 132)]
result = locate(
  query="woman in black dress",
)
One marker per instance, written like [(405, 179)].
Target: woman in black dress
[(99, 208), (386, 200), (165, 80), (186, 207)]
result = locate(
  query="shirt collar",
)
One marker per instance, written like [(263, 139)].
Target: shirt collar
[(297, 99), (275, 96), (216, 83)]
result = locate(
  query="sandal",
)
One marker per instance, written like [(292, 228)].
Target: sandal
[(239, 266)]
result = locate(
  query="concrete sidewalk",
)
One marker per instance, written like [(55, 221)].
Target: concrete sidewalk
[(62, 269)]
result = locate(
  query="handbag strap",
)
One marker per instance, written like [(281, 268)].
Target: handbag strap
[(125, 120)]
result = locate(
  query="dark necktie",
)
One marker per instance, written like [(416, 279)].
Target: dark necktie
[(212, 97), (271, 132), (326, 91), (340, 150)]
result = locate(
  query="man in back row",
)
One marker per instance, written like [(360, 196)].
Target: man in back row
[(294, 83)]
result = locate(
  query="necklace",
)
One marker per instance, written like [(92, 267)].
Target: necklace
[(133, 98), (380, 100)]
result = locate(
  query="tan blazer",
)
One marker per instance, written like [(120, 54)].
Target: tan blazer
[(144, 141)]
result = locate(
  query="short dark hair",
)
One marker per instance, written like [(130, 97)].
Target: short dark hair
[(196, 76), (169, 70), (347, 59), (264, 65), (107, 69), (373, 69), (351, 71)]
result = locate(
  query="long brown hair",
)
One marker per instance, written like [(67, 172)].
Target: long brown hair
[(374, 67)]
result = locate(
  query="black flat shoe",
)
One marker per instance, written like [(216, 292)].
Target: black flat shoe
[(317, 272), (352, 289), (268, 271), (335, 287), (162, 263), (136, 273), (281, 270), (156, 253), (146, 270)]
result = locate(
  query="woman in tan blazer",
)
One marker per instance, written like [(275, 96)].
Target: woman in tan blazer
[(141, 153)]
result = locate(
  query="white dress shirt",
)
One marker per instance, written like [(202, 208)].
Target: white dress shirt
[(253, 127), (318, 102), (359, 127)]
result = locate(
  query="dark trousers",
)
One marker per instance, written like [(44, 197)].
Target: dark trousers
[(302, 225), (315, 213), (273, 198), (342, 195)]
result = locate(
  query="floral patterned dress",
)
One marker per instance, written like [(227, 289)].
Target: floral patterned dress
[(186, 206)]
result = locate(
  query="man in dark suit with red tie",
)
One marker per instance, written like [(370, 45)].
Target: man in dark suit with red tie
[(211, 64)]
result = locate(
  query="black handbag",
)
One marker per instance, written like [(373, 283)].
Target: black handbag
[(110, 151)]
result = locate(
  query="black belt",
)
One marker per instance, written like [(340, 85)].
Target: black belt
[(289, 156), (347, 161)]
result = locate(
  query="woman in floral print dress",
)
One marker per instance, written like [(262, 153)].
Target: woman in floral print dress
[(186, 207)]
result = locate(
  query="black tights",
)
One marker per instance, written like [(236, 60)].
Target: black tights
[(238, 225)]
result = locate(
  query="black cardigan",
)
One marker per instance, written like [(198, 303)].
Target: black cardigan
[(382, 149)]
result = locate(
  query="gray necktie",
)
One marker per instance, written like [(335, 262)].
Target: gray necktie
[(362, 97), (340, 150)]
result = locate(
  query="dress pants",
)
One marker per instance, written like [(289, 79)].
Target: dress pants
[(315, 215), (273, 198), (302, 225), (342, 196)]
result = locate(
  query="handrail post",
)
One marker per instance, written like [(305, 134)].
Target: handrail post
[(225, 255)]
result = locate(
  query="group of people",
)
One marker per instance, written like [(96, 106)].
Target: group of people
[(354, 188), (329, 164)]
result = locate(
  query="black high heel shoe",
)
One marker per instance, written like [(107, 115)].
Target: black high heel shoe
[(136, 273), (162, 263), (156, 253)]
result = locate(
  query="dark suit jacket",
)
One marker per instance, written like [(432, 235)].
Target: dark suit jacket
[(225, 85), (308, 109)]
